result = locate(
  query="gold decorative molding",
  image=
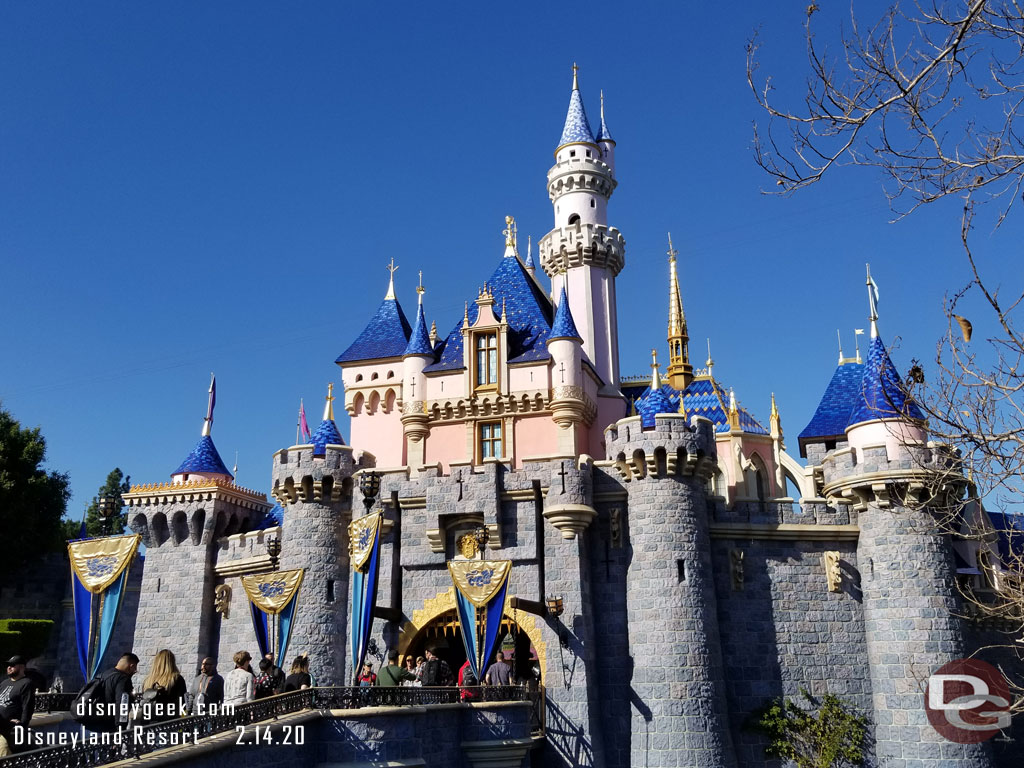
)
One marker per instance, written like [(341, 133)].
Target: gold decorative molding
[(202, 489), (222, 600), (241, 567), (833, 573), (784, 532)]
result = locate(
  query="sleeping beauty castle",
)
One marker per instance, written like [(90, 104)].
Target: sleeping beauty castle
[(645, 546)]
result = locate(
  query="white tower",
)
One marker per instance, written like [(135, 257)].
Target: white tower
[(582, 253)]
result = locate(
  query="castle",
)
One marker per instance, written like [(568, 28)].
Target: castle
[(688, 587)]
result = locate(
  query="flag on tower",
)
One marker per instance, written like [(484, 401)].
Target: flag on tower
[(303, 424), (208, 421)]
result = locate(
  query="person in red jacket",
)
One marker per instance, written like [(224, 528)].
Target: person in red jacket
[(469, 683)]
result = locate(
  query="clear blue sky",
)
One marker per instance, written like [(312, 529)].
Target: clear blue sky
[(193, 187)]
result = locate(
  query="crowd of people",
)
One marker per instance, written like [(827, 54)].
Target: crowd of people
[(110, 702)]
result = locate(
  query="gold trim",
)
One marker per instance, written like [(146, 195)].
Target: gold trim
[(785, 531)]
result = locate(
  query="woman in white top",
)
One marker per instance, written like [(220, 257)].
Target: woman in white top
[(239, 682)]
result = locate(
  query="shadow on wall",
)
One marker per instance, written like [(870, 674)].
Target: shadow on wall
[(567, 743)]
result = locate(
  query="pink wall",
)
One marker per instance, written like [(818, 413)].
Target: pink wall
[(447, 443), (534, 436), (377, 429)]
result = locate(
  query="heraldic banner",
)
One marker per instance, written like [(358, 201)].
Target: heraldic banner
[(364, 551), (481, 587), (273, 598), (99, 572)]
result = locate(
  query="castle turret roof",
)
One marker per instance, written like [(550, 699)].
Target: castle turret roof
[(326, 434), (881, 394), (273, 518), (564, 327), (653, 402), (833, 414), (203, 458), (386, 335), (419, 341), (604, 134), (527, 311), (704, 396), (577, 127)]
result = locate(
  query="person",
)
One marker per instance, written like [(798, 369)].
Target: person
[(435, 670), (17, 699), (392, 675), (420, 661), (468, 682), (115, 689), (164, 689), (410, 667), (239, 685), (367, 678), (499, 673), (276, 673), (207, 688), (299, 678), (264, 684)]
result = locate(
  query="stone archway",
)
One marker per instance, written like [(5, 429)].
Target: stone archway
[(435, 607)]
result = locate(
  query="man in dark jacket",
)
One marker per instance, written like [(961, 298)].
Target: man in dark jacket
[(113, 699), (17, 694), (392, 675), (208, 687)]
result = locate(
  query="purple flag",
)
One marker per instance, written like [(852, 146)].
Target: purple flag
[(303, 424), (213, 399)]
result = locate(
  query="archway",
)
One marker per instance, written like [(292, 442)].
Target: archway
[(437, 624)]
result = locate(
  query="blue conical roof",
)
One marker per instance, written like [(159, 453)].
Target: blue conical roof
[(419, 341), (273, 518), (203, 458), (563, 327), (881, 394), (604, 134), (577, 127), (386, 335), (833, 414), (653, 402), (326, 434)]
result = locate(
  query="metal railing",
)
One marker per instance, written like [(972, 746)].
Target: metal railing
[(139, 739), (54, 702)]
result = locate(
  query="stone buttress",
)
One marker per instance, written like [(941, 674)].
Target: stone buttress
[(679, 713)]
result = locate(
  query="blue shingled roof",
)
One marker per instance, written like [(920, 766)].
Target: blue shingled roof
[(604, 134), (530, 263), (703, 397), (651, 403), (274, 517), (1010, 530), (419, 341), (203, 458), (833, 414), (564, 327), (881, 394), (386, 335), (577, 127), (326, 434), (527, 311)]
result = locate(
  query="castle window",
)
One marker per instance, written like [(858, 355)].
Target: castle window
[(592, 203), (490, 440), (574, 219), (588, 153), (572, 153), (486, 360)]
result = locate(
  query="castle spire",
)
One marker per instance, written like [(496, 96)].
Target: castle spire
[(872, 303), (208, 421), (577, 128), (680, 372), (419, 339), (603, 133), (329, 405), (655, 378), (530, 265), (391, 281)]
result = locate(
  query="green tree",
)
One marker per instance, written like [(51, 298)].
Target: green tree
[(32, 500), (831, 738), (117, 483)]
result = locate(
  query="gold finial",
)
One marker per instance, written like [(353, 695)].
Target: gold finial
[(503, 316), (391, 280), (672, 252), (655, 378), (775, 410), (329, 407), (420, 290), (433, 331), (575, 79), (709, 362), (465, 316), (510, 232), (733, 408), (839, 336)]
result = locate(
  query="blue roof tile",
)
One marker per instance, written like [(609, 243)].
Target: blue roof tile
[(577, 127), (1010, 531), (326, 434), (703, 397), (564, 327), (833, 414), (881, 394), (651, 403), (203, 458), (527, 311), (604, 134), (274, 517), (419, 341), (386, 335)]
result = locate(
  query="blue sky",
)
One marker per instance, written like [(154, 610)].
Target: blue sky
[(197, 187)]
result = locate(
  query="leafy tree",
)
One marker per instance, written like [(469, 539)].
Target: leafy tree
[(117, 483), (832, 738), (32, 500)]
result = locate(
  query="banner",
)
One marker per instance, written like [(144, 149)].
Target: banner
[(99, 572), (481, 589), (273, 599), (364, 552)]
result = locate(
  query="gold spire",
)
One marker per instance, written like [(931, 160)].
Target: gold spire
[(329, 406), (709, 362), (575, 79), (420, 290), (465, 316), (775, 421), (510, 232), (391, 280), (734, 411), (680, 372), (655, 378), (433, 332)]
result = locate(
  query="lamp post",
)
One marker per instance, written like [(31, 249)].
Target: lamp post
[(106, 509), (369, 484), (274, 550), (482, 536)]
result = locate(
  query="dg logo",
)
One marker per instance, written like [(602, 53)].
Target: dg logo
[(967, 701)]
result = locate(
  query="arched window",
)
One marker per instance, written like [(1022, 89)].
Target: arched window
[(574, 219)]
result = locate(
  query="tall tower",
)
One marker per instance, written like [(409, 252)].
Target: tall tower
[(680, 372), (582, 253)]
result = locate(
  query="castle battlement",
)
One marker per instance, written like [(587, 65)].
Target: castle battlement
[(582, 244), (580, 173)]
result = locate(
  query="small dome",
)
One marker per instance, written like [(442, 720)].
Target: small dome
[(203, 459), (326, 434)]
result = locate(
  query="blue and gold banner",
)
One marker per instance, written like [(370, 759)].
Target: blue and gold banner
[(364, 550), (99, 573), (481, 590), (273, 598)]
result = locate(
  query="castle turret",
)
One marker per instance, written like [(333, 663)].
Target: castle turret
[(904, 490), (314, 484), (418, 355), (605, 140), (669, 588), (567, 401), (582, 253)]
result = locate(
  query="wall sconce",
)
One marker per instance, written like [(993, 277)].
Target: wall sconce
[(482, 536), (369, 484), (274, 550), (556, 606)]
